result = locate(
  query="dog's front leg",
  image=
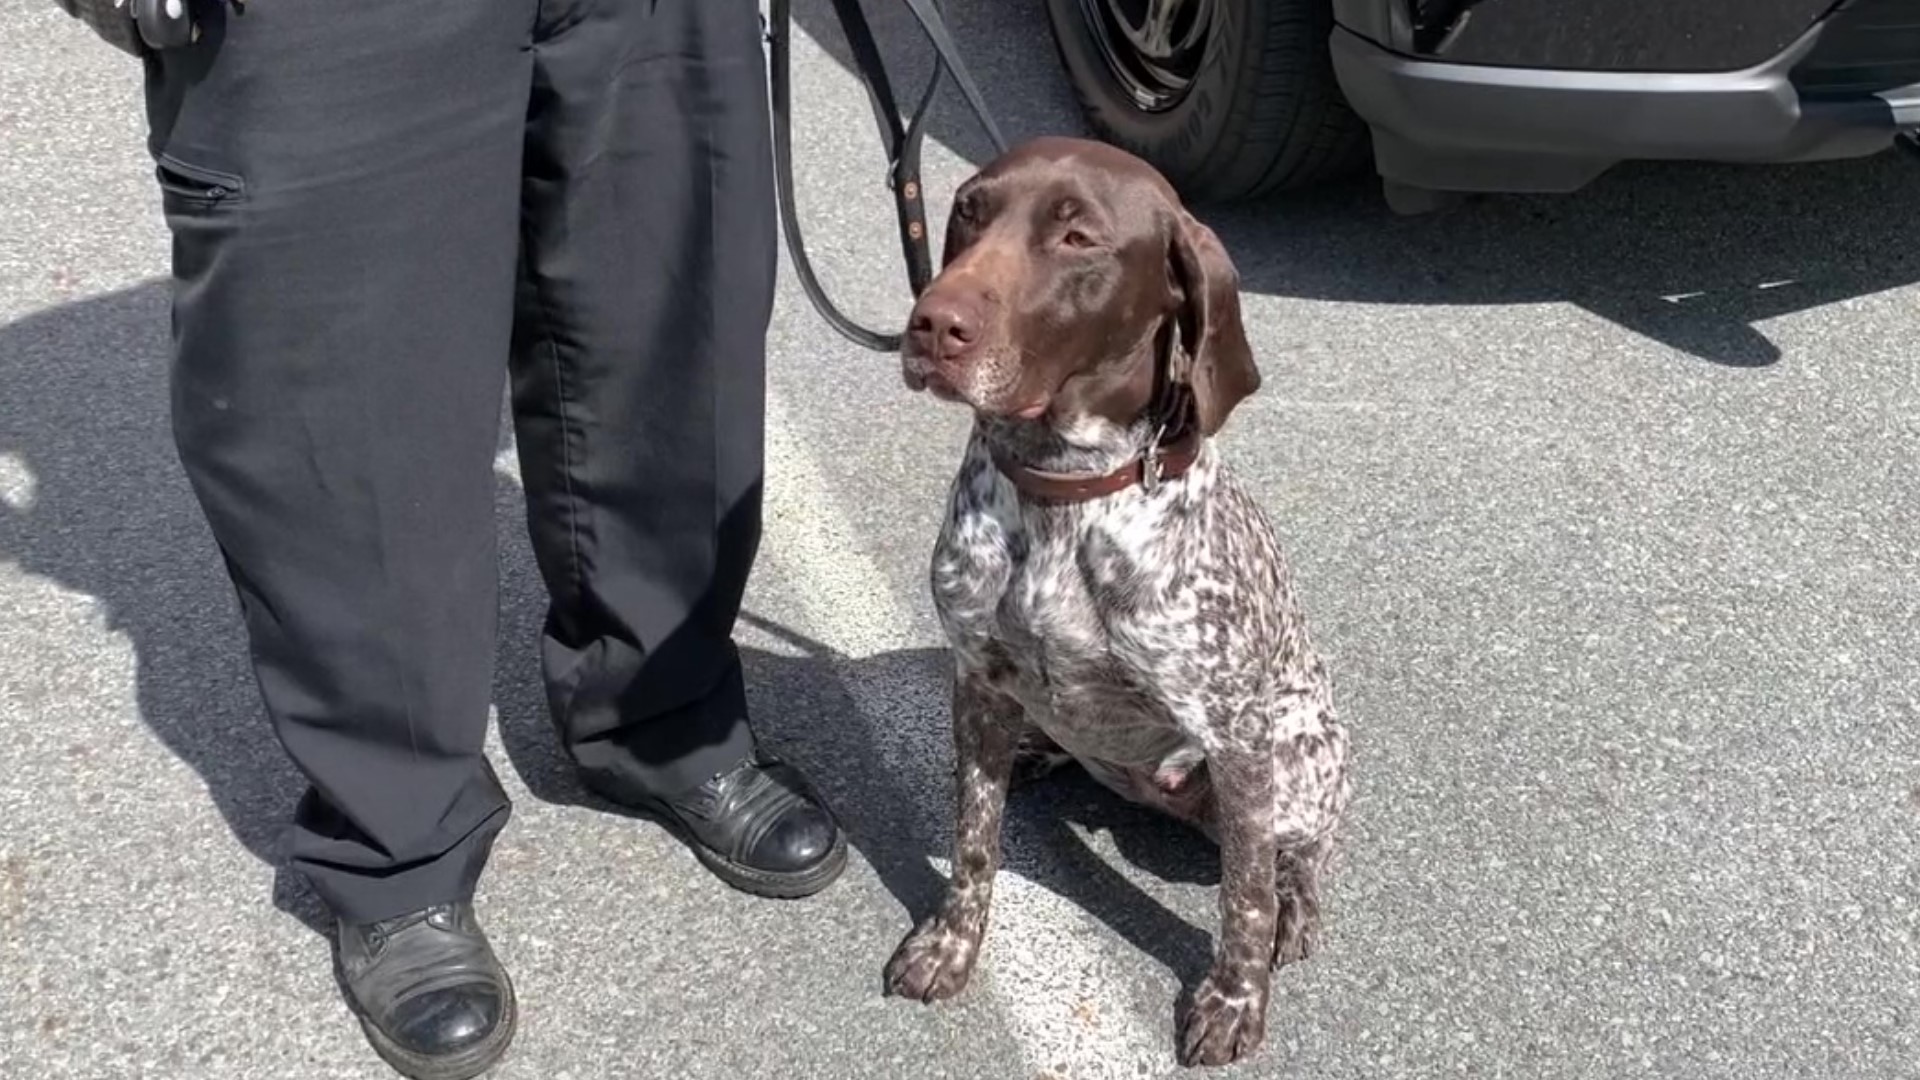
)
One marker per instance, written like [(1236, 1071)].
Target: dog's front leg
[(1227, 1020), (936, 960)]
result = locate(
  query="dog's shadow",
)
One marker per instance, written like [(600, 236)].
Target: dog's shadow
[(882, 756), (898, 825)]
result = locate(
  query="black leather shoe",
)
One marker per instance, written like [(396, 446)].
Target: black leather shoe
[(432, 997), (760, 827)]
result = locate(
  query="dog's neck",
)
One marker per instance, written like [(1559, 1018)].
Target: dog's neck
[(1080, 460), (1088, 445), (1074, 449)]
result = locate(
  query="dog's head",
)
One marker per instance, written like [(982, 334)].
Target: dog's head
[(1072, 276)]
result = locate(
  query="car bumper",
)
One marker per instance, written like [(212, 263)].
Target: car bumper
[(1845, 88)]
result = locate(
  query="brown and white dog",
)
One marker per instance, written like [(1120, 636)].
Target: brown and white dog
[(1108, 593)]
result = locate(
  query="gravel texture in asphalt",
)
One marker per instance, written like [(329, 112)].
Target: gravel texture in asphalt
[(1603, 507)]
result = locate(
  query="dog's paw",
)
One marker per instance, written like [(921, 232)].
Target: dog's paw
[(933, 963), (1220, 1028), (1296, 935)]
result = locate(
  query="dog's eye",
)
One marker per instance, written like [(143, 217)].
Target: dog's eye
[(1076, 239), (967, 211)]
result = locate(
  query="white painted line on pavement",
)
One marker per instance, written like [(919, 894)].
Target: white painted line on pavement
[(18, 486)]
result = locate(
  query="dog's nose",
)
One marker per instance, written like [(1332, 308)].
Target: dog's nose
[(946, 326)]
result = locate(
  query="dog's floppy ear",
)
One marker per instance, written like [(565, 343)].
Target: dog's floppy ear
[(1219, 365)]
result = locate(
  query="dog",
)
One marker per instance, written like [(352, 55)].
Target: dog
[(1109, 595)]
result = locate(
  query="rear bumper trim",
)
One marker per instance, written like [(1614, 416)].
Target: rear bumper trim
[(1473, 128)]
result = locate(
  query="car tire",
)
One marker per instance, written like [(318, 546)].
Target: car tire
[(1249, 107)]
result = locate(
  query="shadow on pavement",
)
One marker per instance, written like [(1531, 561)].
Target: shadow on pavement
[(1693, 256), (111, 516), (84, 388), (819, 722)]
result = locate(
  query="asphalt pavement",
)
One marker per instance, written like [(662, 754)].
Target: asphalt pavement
[(1603, 507)]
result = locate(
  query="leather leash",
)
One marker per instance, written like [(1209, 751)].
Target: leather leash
[(902, 144)]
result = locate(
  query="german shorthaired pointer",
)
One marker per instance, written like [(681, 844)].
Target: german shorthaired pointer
[(1111, 597)]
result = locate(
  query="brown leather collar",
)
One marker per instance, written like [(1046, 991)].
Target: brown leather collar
[(1160, 462)]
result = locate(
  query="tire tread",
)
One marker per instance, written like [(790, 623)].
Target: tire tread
[(1288, 128)]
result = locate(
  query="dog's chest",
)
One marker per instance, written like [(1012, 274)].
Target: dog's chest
[(1060, 609)]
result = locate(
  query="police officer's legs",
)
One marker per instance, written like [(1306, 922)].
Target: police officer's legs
[(350, 185)]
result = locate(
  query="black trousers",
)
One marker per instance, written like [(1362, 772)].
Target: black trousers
[(380, 210)]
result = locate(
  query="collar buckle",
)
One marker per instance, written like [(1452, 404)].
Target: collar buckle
[(1150, 469)]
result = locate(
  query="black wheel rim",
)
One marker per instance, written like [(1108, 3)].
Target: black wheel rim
[(1154, 48)]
